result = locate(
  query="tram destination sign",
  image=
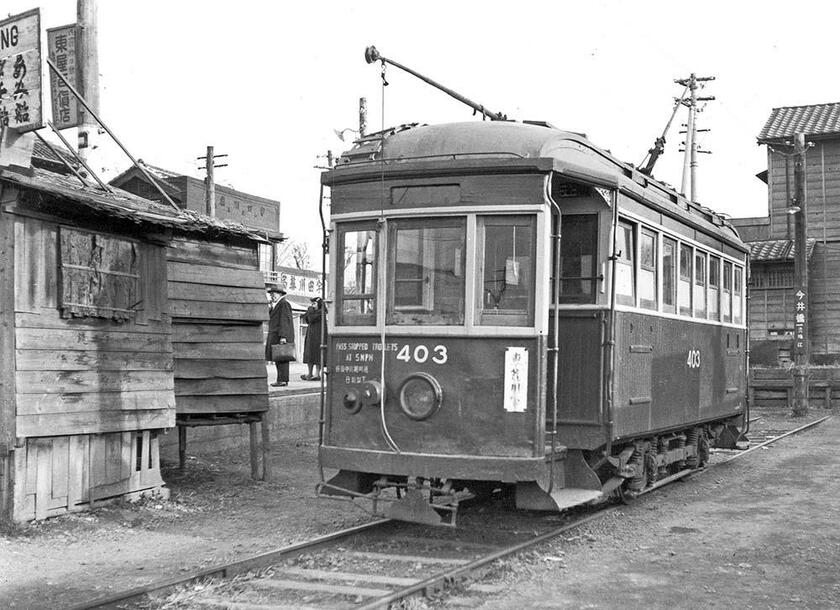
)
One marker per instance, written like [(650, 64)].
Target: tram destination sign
[(20, 72)]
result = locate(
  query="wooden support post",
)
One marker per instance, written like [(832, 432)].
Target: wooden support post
[(182, 446), (801, 311), (252, 429), (266, 452)]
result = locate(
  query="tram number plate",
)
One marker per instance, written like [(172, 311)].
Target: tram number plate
[(421, 353), (693, 361)]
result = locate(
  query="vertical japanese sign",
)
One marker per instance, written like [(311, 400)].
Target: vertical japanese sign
[(20, 71), (61, 43), (516, 379), (800, 322)]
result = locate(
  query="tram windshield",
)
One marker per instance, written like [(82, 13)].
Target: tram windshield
[(507, 270), (357, 287), (426, 271)]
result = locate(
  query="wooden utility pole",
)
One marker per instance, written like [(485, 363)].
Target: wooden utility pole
[(802, 352), (209, 181), (88, 62), (689, 177)]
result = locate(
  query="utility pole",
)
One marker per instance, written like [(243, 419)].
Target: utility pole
[(88, 61), (209, 182), (362, 117), (802, 352), (689, 177)]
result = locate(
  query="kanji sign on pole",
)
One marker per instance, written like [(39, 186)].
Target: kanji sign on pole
[(20, 72), (800, 322), (61, 43)]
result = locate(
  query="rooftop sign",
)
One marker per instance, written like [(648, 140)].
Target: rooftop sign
[(20, 71)]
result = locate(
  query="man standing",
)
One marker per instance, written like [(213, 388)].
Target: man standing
[(280, 330)]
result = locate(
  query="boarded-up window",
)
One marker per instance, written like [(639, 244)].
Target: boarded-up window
[(99, 276)]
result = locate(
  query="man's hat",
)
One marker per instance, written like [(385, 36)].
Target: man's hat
[(275, 288)]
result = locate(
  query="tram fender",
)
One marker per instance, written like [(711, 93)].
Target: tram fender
[(574, 483)]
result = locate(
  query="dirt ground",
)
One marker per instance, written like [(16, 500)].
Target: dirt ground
[(760, 532)]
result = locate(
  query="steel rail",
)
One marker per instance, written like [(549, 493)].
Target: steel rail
[(227, 570), (437, 581)]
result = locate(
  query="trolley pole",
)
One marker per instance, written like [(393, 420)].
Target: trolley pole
[(802, 352)]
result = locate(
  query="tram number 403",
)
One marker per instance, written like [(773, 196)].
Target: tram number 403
[(421, 354), (693, 360)]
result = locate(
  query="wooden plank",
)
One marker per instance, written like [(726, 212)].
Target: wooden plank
[(312, 574), (83, 340), (41, 404), (43, 477), (207, 369), (70, 382), (217, 386), (223, 294), (219, 404), (34, 360), (214, 275), (222, 351), (300, 585), (217, 333), (20, 511), (220, 254), (76, 481), (60, 466), (94, 422), (51, 318), (203, 310), (113, 458), (7, 333)]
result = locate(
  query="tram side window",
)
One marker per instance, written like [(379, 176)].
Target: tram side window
[(700, 284), (426, 271), (669, 275), (737, 293), (647, 270), (578, 260), (714, 288), (726, 300), (356, 292), (507, 250), (684, 286), (625, 254)]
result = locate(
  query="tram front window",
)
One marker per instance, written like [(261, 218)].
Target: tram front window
[(357, 303), (508, 249), (426, 271)]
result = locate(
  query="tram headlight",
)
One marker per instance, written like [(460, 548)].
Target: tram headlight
[(420, 396), (352, 400)]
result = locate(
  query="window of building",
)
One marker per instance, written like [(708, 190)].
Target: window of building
[(357, 276), (578, 258), (669, 275), (714, 288), (772, 275), (647, 269), (625, 281), (726, 295), (699, 284), (685, 281), (426, 271), (99, 276), (507, 251)]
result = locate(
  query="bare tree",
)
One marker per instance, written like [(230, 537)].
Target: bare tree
[(292, 253)]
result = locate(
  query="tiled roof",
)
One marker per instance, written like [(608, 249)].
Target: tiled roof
[(816, 120), (777, 250)]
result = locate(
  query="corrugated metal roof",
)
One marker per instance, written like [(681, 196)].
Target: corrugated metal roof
[(815, 120), (777, 250), (124, 205)]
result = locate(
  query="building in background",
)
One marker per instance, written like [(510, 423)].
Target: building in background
[(771, 238), (255, 213)]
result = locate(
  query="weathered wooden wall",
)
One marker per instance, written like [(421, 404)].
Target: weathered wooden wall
[(218, 303)]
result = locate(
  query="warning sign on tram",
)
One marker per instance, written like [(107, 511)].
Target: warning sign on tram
[(20, 72)]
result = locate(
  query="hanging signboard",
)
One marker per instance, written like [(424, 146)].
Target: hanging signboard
[(61, 43), (800, 322), (20, 72)]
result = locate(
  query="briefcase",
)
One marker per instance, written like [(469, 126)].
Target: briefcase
[(283, 352)]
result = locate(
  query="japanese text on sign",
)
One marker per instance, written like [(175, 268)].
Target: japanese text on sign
[(61, 43), (20, 71), (800, 322)]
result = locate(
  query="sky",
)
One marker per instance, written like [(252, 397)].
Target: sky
[(268, 82)]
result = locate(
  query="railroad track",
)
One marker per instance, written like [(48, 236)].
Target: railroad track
[(374, 565)]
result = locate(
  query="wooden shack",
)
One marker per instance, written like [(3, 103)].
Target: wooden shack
[(115, 314)]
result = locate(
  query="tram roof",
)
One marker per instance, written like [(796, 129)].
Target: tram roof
[(510, 147)]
